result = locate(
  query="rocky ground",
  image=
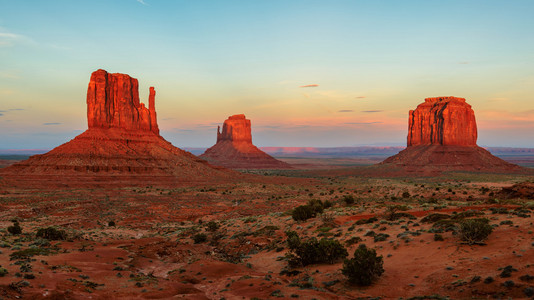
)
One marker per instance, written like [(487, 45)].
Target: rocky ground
[(229, 240)]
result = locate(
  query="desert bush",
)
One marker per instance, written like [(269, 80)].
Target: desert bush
[(366, 221), (27, 253), (331, 251), (200, 238), (313, 251), (434, 217), (364, 267), (3, 272), (293, 240), (348, 199), (406, 195), (212, 226), (316, 205), (302, 213), (445, 224), (111, 223), (438, 237), (266, 230), (392, 212), (15, 229), (381, 237), (353, 240), (51, 233), (474, 231)]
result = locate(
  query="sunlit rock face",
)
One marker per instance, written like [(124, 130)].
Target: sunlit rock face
[(442, 136), (121, 146), (442, 121), (234, 148), (113, 102)]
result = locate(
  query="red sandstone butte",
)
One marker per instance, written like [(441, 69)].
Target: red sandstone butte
[(122, 145), (442, 135), (234, 148), (442, 121), (113, 101)]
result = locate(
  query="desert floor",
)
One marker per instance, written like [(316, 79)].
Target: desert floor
[(164, 244)]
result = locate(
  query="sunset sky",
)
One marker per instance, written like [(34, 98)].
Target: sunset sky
[(307, 73)]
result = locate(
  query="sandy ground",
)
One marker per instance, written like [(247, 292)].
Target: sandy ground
[(151, 252)]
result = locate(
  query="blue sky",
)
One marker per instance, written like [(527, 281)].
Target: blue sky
[(373, 61)]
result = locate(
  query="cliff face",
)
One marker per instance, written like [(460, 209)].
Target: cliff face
[(442, 121), (113, 102), (236, 129), (234, 148)]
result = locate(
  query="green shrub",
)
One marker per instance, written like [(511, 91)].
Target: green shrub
[(366, 221), (353, 240), (200, 238), (15, 229), (310, 210), (302, 213), (364, 267), (316, 205), (474, 231), (434, 217), (331, 251), (27, 253), (3, 272), (381, 237), (293, 240), (313, 251), (51, 233), (212, 226), (438, 237), (348, 199)]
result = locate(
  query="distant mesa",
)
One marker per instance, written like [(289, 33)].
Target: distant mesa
[(442, 135), (234, 148), (122, 144)]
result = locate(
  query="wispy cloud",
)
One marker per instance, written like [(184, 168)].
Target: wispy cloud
[(360, 97), (363, 123), (345, 110), (309, 85), (1, 114), (8, 39), (371, 111), (142, 2), (16, 109), (47, 124), (463, 63)]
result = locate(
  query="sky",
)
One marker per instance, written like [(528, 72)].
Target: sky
[(307, 73)]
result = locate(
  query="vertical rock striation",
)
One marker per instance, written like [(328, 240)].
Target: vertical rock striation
[(442, 121), (442, 136), (113, 102)]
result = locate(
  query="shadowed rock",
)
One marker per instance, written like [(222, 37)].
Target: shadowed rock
[(234, 148)]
